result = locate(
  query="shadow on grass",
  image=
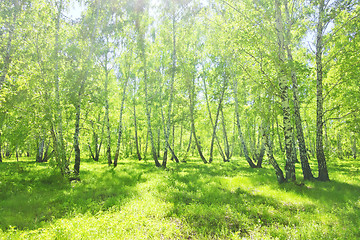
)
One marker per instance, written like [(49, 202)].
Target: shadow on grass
[(209, 207), (32, 193)]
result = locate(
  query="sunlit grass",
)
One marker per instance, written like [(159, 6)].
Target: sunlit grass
[(186, 201)]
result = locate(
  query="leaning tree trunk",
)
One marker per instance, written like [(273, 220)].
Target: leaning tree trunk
[(299, 128), (242, 140), (226, 141), (322, 168), (214, 124), (283, 84), (188, 147), (173, 157)]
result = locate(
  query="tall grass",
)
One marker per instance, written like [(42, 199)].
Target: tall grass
[(186, 201)]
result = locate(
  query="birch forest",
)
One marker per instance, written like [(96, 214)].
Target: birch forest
[(179, 119)]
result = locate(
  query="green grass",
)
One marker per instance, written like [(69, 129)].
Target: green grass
[(187, 201)]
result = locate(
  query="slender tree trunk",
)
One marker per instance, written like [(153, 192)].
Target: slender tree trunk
[(96, 139), (165, 134), (181, 136), (354, 148), (76, 135), (146, 144), (46, 152), (322, 167), (192, 105), (252, 138), (226, 142), (40, 152), (283, 84), (278, 133), (214, 125), (173, 144), (120, 130), (158, 142), (60, 153), (294, 150), (0, 148), (310, 149), (91, 152), (339, 146), (17, 153), (95, 142), (268, 146), (188, 147), (233, 141), (213, 136), (326, 140), (98, 148), (135, 126), (107, 121), (141, 42), (242, 140), (80, 94), (261, 146), (168, 122)]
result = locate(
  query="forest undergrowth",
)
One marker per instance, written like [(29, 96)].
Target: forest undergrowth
[(185, 201)]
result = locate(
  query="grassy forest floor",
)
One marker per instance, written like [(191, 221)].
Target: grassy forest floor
[(187, 201)]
